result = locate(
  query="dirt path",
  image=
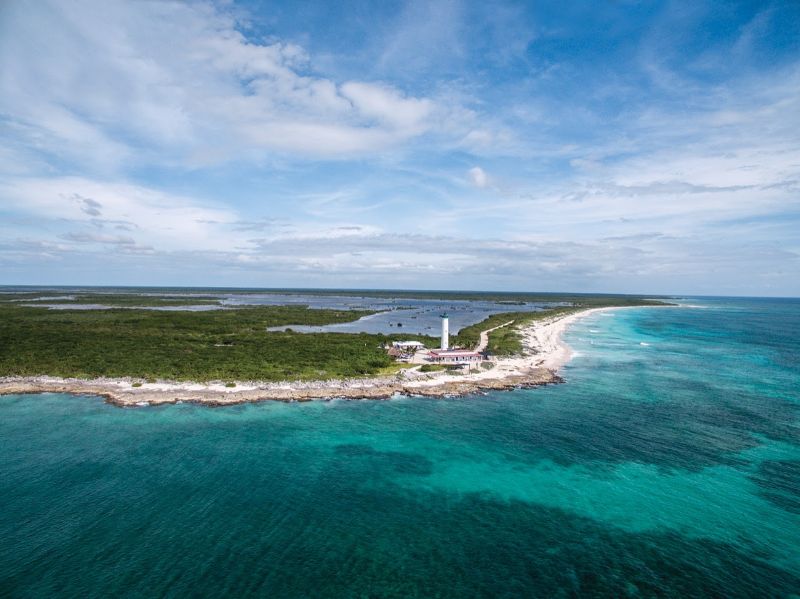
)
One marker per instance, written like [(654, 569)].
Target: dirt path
[(485, 335)]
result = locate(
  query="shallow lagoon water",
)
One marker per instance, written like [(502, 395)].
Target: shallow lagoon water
[(186, 308), (394, 316), (671, 468)]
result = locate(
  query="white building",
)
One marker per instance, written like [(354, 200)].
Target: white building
[(454, 356), (445, 331)]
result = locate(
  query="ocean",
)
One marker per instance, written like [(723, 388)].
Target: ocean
[(667, 464)]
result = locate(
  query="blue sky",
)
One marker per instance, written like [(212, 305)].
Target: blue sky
[(643, 147)]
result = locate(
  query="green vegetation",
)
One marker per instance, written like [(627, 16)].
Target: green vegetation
[(9, 297), (109, 299), (489, 296), (227, 345), (215, 345), (393, 368), (166, 296), (431, 368)]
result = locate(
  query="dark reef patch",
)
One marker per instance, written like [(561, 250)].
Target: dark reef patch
[(779, 482), (675, 431), (380, 543)]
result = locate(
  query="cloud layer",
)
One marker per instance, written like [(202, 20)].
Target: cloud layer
[(181, 78), (445, 144)]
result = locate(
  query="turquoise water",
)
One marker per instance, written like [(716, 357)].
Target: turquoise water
[(667, 465)]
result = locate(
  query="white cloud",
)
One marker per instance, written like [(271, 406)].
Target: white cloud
[(125, 81), (350, 254), (686, 173), (123, 244), (478, 177), (159, 219), (387, 105)]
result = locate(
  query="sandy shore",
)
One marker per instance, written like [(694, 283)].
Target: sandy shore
[(544, 353)]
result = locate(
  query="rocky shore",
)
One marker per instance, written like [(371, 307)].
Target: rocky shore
[(120, 394)]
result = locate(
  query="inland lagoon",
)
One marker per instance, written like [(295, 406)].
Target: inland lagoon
[(667, 464)]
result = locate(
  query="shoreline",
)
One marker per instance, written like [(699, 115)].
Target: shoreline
[(544, 353)]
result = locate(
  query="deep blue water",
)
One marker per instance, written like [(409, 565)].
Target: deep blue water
[(668, 464)]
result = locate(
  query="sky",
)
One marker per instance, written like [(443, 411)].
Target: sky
[(618, 146)]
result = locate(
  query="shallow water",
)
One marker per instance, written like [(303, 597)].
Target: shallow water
[(394, 316), (186, 308), (671, 468)]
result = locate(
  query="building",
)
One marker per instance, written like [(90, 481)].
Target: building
[(395, 352), (408, 345), (445, 331), (454, 356)]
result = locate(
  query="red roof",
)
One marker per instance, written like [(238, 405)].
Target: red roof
[(453, 352)]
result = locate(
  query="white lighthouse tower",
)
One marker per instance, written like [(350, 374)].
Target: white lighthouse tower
[(445, 331)]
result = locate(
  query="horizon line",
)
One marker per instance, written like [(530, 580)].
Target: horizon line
[(387, 289)]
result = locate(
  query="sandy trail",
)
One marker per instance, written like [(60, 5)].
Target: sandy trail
[(485, 335)]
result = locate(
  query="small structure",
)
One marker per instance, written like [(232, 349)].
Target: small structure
[(454, 356), (395, 352), (408, 345)]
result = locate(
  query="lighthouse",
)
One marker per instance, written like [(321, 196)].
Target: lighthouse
[(445, 331)]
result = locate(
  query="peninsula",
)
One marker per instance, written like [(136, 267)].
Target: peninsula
[(137, 349)]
